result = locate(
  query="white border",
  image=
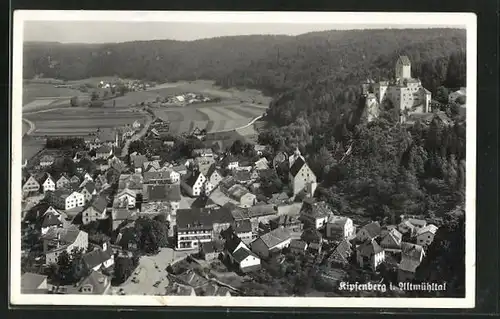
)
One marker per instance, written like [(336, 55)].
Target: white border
[(467, 20)]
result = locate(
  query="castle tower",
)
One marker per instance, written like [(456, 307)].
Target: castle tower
[(403, 68)]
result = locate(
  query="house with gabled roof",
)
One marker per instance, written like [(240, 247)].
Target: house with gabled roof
[(31, 185), (369, 232), (95, 284), (261, 164), (63, 182), (411, 257), (96, 210), (274, 240), (405, 227), (63, 239), (167, 194), (339, 227), (48, 183), (297, 246), (193, 183), (125, 198), (370, 254), (65, 199), (32, 283), (425, 235), (302, 178), (88, 190), (242, 195), (151, 166), (315, 214), (104, 152), (46, 161), (131, 181), (99, 258), (239, 254), (342, 253), (392, 240), (137, 162)]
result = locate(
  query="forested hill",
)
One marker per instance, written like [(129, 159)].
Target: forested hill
[(270, 63)]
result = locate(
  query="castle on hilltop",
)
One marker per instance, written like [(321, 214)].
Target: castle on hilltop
[(405, 93)]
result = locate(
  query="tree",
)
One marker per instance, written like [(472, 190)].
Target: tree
[(271, 183), (152, 234), (442, 95), (123, 269)]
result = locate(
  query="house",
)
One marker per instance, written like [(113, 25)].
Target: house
[(369, 232), (370, 254), (278, 199), (153, 166), (79, 156), (126, 198), (315, 248), (297, 246), (242, 195), (259, 149), (63, 182), (137, 162), (392, 240), (231, 162), (99, 258), (46, 161), (52, 220), (96, 284), (341, 254), (87, 177), (63, 239), (65, 199), (161, 176), (133, 182), (338, 227), (425, 235), (239, 254), (261, 164), (242, 176), (245, 166), (211, 250), (405, 227), (192, 230), (301, 177), (411, 257), (193, 183), (315, 214), (104, 151), (213, 176), (203, 152), (417, 223), (96, 210), (243, 229), (101, 182), (117, 164), (88, 190), (287, 221), (75, 180), (181, 169), (275, 240), (119, 216), (169, 194), (31, 185), (32, 283), (48, 183)]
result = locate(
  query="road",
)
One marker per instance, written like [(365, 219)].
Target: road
[(152, 269), (31, 124), (138, 135)]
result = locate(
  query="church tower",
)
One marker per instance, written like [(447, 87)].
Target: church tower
[(403, 68)]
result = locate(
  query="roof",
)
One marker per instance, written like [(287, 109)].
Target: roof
[(411, 251), (121, 214), (298, 244), (98, 281), (100, 203), (47, 158), (89, 186), (373, 229), (315, 246), (243, 226), (51, 220), (338, 221), (404, 60), (202, 217), (132, 181), (211, 247), (237, 191), (165, 192), (342, 252), (297, 165), (138, 161), (275, 237), (242, 253), (203, 201), (429, 228), (261, 210), (369, 248), (395, 235), (409, 265), (31, 280), (103, 149), (96, 257), (317, 210), (212, 169), (192, 178), (417, 222), (242, 176), (192, 278), (69, 235)]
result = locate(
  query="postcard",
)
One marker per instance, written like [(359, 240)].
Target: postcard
[(243, 159)]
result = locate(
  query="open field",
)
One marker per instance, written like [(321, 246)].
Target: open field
[(31, 147), (78, 121)]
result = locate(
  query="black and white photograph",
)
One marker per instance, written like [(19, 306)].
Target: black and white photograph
[(258, 159)]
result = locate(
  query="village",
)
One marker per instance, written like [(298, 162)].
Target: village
[(137, 224)]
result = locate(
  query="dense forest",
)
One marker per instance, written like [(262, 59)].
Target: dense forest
[(377, 170)]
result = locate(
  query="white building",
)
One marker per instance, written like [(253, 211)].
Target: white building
[(339, 227), (193, 183), (64, 199), (48, 184), (425, 235)]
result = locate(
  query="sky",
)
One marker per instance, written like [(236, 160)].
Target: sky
[(123, 31)]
